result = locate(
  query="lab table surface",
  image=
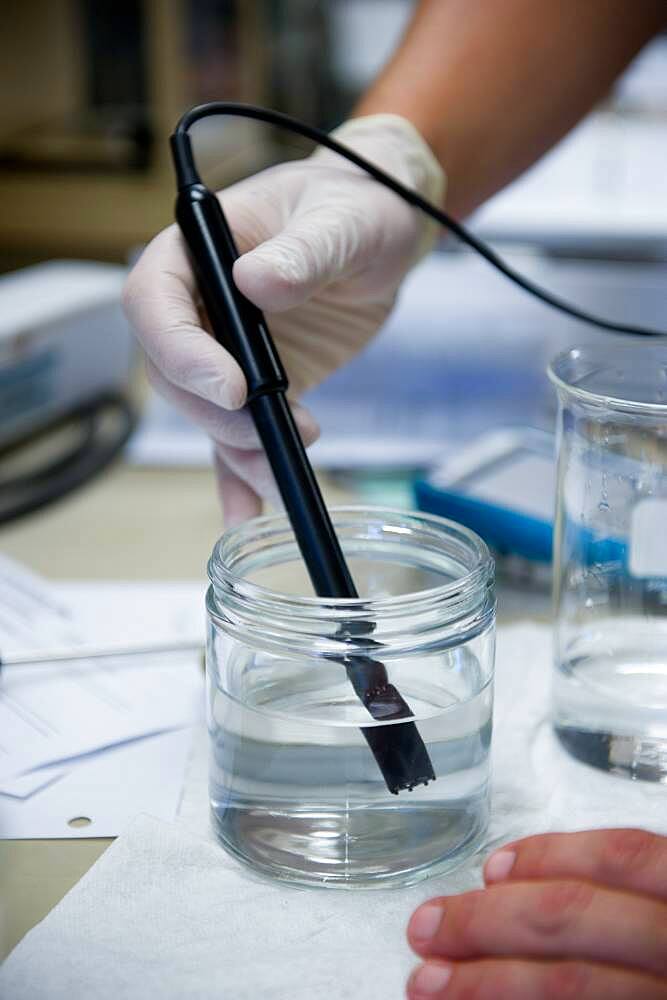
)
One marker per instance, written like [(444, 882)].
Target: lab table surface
[(130, 523)]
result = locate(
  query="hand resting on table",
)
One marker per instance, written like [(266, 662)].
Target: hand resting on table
[(563, 915)]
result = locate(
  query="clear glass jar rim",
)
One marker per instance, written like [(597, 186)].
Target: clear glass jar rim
[(557, 372), (479, 574)]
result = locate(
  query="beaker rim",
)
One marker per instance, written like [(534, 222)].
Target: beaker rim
[(619, 375)]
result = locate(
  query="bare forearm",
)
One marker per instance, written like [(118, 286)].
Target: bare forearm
[(493, 84)]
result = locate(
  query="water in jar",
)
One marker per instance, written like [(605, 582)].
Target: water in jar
[(296, 792)]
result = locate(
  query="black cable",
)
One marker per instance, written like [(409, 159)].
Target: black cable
[(96, 446), (187, 174)]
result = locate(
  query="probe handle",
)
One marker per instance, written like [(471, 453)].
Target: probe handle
[(237, 324), (241, 328)]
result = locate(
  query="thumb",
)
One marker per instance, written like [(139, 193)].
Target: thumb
[(316, 247)]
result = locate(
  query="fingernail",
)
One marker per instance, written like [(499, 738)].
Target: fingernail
[(499, 866), (425, 922), (430, 979)]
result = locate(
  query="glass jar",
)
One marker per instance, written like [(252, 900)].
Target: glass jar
[(610, 557), (295, 791)]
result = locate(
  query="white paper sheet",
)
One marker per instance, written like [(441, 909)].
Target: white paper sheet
[(49, 718), (104, 740), (109, 789), (25, 785), (51, 714), (31, 612)]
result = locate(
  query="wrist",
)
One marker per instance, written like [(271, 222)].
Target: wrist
[(394, 144)]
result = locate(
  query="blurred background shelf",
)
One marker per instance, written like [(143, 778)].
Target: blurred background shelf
[(91, 90)]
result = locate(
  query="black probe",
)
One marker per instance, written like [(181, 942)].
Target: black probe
[(241, 328)]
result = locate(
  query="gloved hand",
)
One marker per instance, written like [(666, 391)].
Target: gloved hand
[(324, 248)]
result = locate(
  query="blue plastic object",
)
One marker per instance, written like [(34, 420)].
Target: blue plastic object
[(508, 532)]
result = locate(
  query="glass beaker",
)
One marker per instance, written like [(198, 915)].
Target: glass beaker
[(295, 791), (610, 557)]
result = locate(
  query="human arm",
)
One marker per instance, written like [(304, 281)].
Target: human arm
[(493, 84)]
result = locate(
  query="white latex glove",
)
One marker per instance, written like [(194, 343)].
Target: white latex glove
[(324, 248)]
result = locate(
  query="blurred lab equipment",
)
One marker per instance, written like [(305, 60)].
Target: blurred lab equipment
[(502, 486), (66, 354), (610, 555), (463, 352), (79, 114), (85, 145)]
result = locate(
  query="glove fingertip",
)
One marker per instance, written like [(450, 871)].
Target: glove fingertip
[(270, 286), (239, 501), (307, 424), (235, 393)]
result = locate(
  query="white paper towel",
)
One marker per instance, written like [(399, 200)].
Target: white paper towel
[(166, 913)]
